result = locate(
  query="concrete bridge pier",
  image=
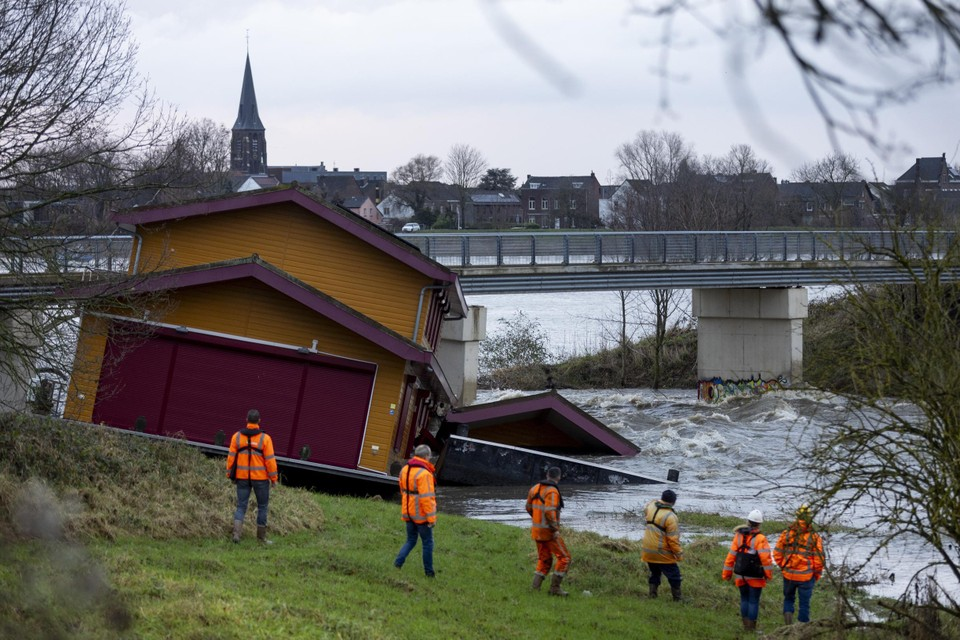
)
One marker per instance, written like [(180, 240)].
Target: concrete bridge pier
[(459, 352), (748, 338)]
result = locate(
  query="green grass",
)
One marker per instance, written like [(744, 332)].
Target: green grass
[(109, 536)]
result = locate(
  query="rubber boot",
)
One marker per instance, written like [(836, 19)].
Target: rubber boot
[(751, 624), (262, 535), (555, 589), (746, 622), (237, 530), (537, 581), (788, 617), (675, 590), (653, 590)]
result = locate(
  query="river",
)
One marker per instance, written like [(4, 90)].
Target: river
[(732, 456)]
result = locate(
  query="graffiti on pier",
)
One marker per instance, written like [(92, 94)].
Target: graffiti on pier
[(717, 389)]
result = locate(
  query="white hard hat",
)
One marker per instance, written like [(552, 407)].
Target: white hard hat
[(755, 516)]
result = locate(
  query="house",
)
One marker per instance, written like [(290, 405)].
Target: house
[(364, 207), (492, 210), (395, 210), (567, 202), (335, 329), (262, 181), (826, 204), (930, 187), (627, 204), (606, 203)]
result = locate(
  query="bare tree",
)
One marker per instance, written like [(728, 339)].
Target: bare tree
[(411, 181), (650, 163), (465, 166), (747, 191), (420, 168), (833, 179), (77, 126), (891, 51), (656, 156), (898, 447)]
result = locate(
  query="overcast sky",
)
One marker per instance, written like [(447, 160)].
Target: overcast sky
[(543, 87)]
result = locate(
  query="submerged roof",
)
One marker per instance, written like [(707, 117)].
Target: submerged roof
[(549, 407), (346, 220)]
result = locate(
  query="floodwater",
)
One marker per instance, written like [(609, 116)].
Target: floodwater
[(732, 456)]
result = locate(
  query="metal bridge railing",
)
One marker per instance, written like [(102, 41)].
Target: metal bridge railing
[(64, 254), (479, 250)]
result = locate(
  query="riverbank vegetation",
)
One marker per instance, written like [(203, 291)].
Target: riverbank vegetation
[(110, 536)]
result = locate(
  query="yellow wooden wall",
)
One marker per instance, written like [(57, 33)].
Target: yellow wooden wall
[(250, 309), (305, 246)]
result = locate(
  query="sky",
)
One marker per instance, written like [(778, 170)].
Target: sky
[(542, 87)]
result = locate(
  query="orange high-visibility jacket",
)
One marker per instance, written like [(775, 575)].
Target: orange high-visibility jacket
[(543, 505), (756, 542), (661, 539), (256, 463), (799, 553), (418, 492)]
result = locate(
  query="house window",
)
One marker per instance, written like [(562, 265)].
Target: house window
[(809, 206), (532, 204), (544, 204), (573, 204), (556, 204), (532, 220), (386, 211)]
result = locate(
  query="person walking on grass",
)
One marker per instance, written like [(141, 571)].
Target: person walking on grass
[(252, 466), (544, 503), (750, 563), (799, 554), (660, 548), (418, 506)]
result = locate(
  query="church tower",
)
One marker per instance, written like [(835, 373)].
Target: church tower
[(248, 144)]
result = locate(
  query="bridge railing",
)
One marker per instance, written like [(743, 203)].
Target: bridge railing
[(672, 247), (64, 254)]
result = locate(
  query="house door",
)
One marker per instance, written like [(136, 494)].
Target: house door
[(200, 387)]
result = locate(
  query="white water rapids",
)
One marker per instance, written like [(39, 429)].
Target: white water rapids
[(732, 456)]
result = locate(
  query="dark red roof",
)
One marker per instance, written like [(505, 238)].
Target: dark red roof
[(550, 407)]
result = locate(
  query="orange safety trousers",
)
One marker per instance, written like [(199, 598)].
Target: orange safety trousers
[(546, 550)]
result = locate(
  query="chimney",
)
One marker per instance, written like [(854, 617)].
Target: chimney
[(356, 169)]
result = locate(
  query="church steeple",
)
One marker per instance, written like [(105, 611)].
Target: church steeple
[(248, 143)]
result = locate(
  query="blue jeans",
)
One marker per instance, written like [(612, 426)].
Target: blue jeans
[(261, 489), (750, 601), (790, 590), (671, 571), (425, 532)]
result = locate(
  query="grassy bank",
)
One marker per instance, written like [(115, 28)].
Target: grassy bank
[(109, 536)]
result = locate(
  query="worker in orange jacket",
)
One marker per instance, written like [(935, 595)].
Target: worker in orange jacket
[(752, 568), (418, 506), (252, 466), (544, 503), (799, 554)]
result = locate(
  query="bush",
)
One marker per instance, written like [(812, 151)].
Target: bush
[(521, 343)]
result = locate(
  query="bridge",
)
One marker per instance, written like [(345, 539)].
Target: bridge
[(749, 288), (519, 262)]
